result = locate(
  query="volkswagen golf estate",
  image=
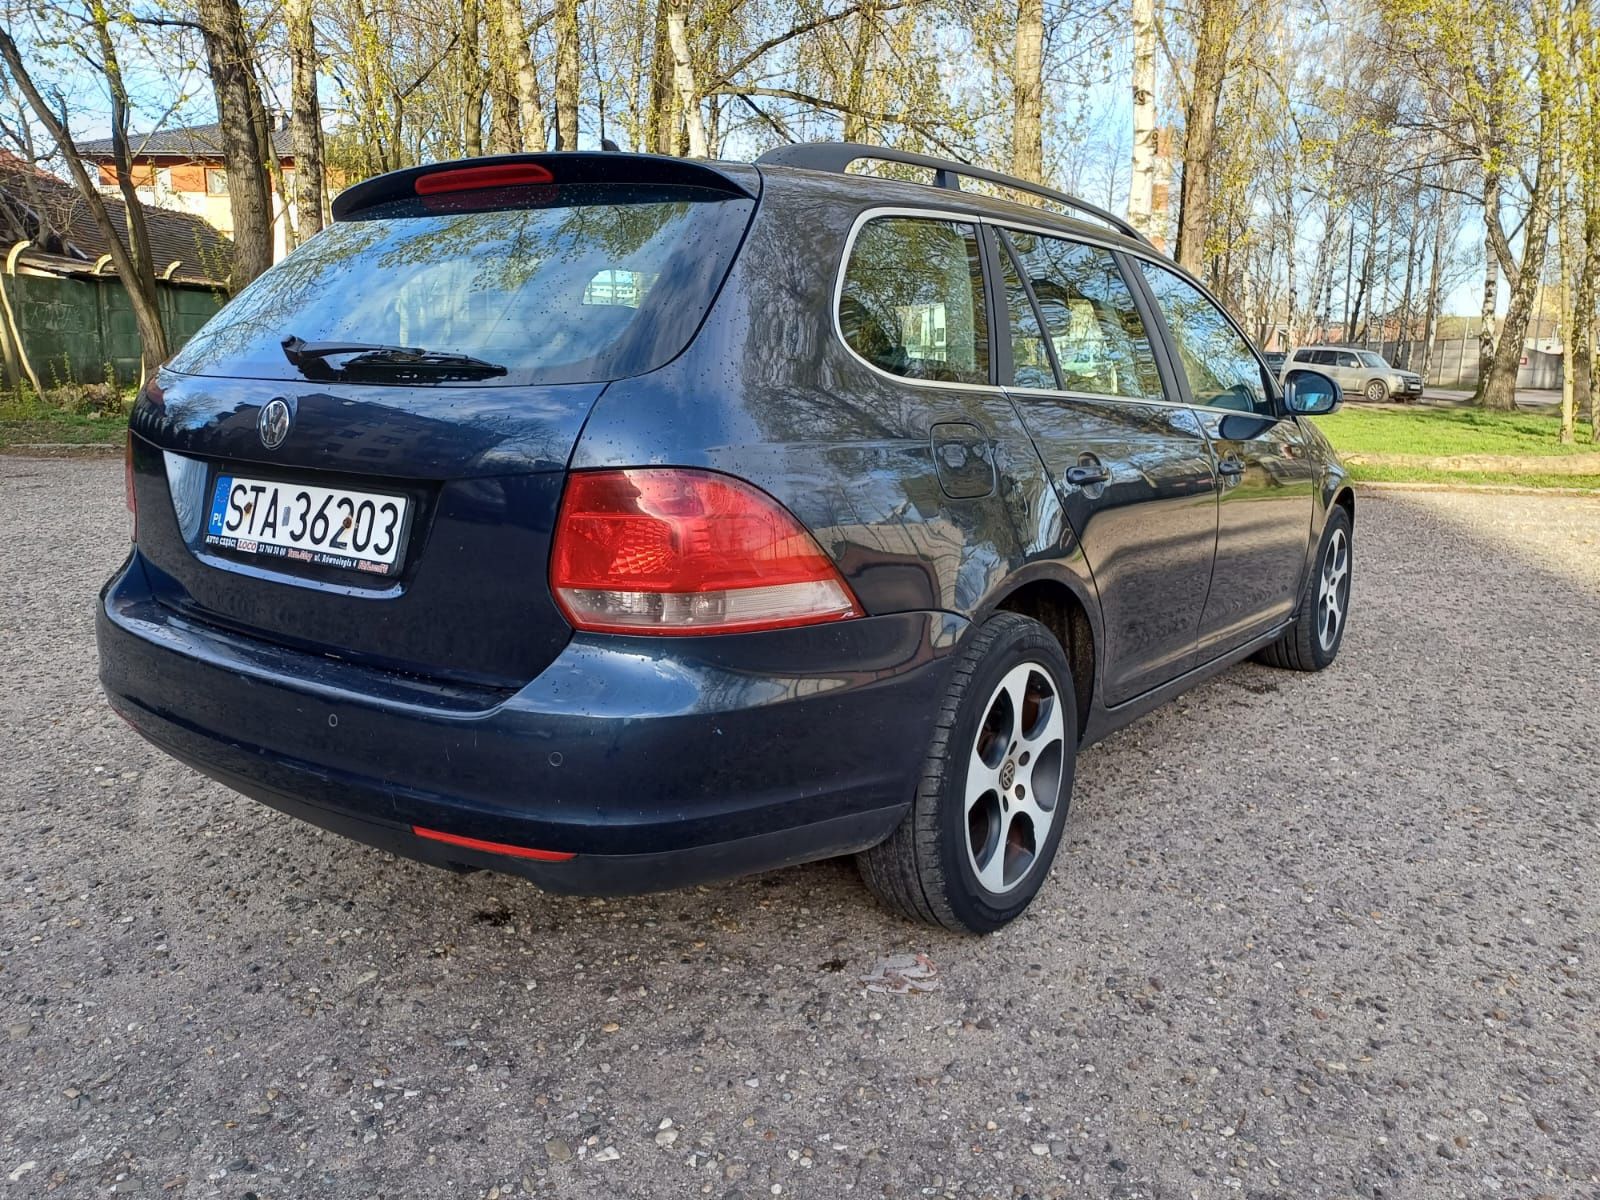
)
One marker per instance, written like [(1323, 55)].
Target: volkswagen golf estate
[(625, 522)]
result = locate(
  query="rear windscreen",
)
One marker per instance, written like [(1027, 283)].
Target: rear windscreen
[(599, 283)]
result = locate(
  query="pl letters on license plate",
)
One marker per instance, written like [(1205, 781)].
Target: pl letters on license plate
[(329, 527)]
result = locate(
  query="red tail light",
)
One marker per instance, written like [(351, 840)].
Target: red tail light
[(672, 551), (129, 496)]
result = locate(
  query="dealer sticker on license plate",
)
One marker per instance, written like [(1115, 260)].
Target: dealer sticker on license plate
[(329, 527)]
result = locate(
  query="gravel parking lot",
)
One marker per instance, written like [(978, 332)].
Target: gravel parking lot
[(1308, 937)]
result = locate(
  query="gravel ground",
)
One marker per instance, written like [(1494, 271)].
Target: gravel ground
[(1308, 937)]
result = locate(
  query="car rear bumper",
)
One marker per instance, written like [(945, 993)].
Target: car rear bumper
[(653, 762)]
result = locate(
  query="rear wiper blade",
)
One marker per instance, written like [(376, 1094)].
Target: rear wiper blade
[(311, 358)]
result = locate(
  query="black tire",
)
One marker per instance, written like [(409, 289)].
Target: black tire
[(927, 868), (1376, 391), (1304, 647)]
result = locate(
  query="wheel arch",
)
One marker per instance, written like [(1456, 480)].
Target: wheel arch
[(1345, 498), (1066, 613)]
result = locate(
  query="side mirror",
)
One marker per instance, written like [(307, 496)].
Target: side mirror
[(1310, 393)]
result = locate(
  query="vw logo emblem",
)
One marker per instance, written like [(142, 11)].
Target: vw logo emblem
[(273, 423)]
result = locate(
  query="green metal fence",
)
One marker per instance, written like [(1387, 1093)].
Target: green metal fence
[(80, 328)]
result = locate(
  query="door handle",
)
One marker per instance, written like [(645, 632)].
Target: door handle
[(1230, 466), (1088, 476)]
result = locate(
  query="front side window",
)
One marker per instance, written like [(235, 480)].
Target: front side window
[(1223, 372), (912, 300), (1090, 317)]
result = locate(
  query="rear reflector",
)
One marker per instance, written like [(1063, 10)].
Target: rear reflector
[(129, 496), (466, 843), (675, 551), (491, 175)]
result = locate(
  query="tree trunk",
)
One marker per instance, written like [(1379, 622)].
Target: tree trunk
[(1582, 356), (228, 61), (1487, 339), (305, 118), (266, 127), (472, 77), (568, 82), (683, 78), (1200, 131), (1588, 283), (1435, 284), (1403, 342), (505, 124), (1498, 389), (134, 266), (661, 133), (523, 84), (1027, 93), (1142, 185), (855, 123)]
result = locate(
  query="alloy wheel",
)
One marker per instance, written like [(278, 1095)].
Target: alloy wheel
[(1333, 592), (1014, 778)]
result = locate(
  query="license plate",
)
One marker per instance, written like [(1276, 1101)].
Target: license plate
[(328, 527)]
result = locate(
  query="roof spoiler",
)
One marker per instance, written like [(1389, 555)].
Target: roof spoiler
[(556, 167)]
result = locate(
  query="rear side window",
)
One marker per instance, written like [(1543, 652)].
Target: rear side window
[(1030, 358), (600, 282), (1090, 317), (911, 302)]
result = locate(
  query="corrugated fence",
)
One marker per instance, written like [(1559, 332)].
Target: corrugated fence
[(78, 327)]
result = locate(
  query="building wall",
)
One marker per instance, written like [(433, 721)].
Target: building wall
[(198, 188)]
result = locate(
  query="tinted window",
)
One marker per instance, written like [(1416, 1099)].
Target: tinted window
[(1030, 360), (912, 300), (1222, 370), (601, 283), (1305, 356), (1090, 317), (1323, 358)]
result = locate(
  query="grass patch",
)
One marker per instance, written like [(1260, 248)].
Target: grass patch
[(27, 419), (1443, 432), (1380, 473)]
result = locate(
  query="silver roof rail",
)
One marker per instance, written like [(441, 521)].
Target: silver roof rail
[(838, 156)]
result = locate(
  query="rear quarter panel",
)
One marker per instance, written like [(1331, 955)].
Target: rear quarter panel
[(769, 393)]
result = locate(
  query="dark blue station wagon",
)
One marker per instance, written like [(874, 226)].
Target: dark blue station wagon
[(625, 522)]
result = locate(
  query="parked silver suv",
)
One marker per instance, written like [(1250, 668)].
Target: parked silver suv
[(1358, 372)]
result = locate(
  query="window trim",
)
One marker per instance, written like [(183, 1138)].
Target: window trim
[(985, 297), (1155, 258), (1275, 410), (1171, 377), (1170, 384), (1002, 241)]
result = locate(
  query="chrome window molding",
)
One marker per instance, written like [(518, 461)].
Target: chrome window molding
[(954, 216)]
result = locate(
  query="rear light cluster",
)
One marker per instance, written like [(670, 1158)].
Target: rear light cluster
[(675, 551)]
